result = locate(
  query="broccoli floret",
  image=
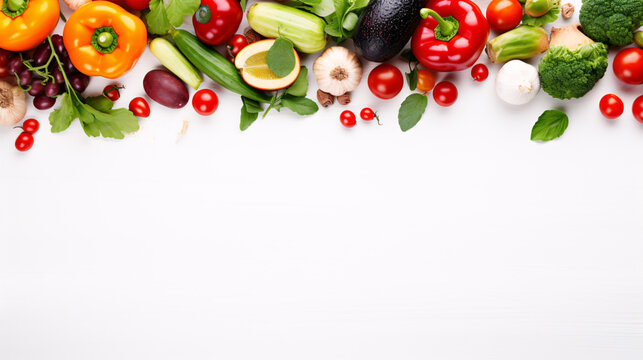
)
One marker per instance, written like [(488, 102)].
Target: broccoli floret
[(573, 63), (611, 21)]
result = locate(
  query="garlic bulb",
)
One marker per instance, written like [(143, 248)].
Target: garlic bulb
[(13, 105), (338, 71), (517, 82)]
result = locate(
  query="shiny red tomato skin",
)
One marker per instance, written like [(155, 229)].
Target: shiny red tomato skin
[(445, 93), (30, 126), (367, 114), (24, 141), (112, 92), (385, 81), (138, 4), (205, 102), (504, 15), (225, 18), (611, 106), (637, 109), (347, 118), (628, 66), (479, 72), (236, 44), (139, 107)]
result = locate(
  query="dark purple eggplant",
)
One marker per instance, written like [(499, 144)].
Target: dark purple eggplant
[(166, 89)]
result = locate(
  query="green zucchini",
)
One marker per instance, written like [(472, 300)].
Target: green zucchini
[(172, 59), (305, 30), (215, 65)]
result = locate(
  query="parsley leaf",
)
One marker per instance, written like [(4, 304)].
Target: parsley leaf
[(300, 86), (178, 9), (550, 125), (281, 57), (156, 19), (61, 118), (411, 111)]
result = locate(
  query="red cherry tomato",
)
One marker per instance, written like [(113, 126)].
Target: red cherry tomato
[(24, 141), (216, 21), (637, 109), (628, 66), (112, 92), (367, 114), (385, 81), (30, 126), (236, 44), (205, 102), (611, 106), (137, 4), (479, 72), (426, 80), (445, 93), (139, 107), (348, 118), (504, 15)]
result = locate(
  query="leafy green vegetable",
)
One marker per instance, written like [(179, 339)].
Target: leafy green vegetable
[(300, 86), (411, 111), (249, 112), (549, 17), (611, 21), (321, 8), (300, 105), (550, 125), (160, 19), (338, 26), (412, 75), (281, 57)]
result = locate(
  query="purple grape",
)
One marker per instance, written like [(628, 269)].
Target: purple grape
[(15, 65), (67, 65), (42, 54), (25, 77), (57, 74), (36, 87), (52, 89), (59, 45), (79, 82), (41, 102)]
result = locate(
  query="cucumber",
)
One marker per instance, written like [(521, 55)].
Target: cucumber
[(305, 30), (215, 66), (174, 61)]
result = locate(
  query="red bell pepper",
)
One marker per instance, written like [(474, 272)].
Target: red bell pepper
[(451, 36), (216, 21)]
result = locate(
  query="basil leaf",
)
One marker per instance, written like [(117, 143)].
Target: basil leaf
[(157, 20), (251, 106), (281, 57), (300, 86), (407, 54), (550, 125), (412, 78), (178, 9), (248, 114), (411, 111), (300, 105)]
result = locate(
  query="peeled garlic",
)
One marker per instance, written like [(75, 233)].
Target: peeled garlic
[(338, 71)]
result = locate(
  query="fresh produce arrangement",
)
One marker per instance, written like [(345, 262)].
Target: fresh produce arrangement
[(264, 64)]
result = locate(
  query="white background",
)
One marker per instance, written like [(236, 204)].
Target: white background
[(300, 239)]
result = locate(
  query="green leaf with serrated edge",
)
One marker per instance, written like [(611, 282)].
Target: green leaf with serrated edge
[(156, 19), (412, 78), (411, 111), (300, 86), (61, 118), (178, 9), (247, 118), (551, 124), (281, 57), (299, 105)]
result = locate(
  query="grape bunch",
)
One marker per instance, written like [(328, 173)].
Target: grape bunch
[(39, 73)]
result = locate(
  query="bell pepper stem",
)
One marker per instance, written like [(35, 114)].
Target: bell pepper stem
[(105, 40), (447, 27), (203, 14), (15, 5)]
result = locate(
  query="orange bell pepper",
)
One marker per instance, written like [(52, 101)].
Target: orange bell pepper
[(103, 39), (26, 23)]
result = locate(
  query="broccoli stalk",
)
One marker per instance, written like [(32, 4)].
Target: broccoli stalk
[(611, 21), (573, 64)]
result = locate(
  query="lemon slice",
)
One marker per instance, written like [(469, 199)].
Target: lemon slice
[(251, 61)]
